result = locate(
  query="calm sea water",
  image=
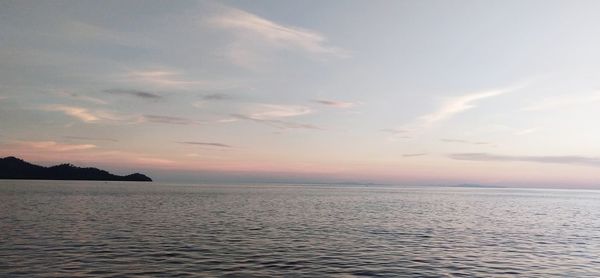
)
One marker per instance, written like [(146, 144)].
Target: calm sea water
[(137, 229)]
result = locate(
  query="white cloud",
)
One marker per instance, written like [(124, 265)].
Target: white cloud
[(253, 33), (460, 104), (461, 141), (54, 146), (161, 78), (153, 161), (336, 103), (270, 111), (84, 114), (274, 115), (76, 112), (565, 159), (172, 79), (447, 110)]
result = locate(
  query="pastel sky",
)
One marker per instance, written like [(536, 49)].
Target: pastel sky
[(401, 92)]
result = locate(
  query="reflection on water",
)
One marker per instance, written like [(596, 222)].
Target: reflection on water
[(105, 229)]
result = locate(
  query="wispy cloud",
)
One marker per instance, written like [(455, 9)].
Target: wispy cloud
[(563, 101), (153, 161), (54, 146), (208, 144), (84, 138), (447, 110), (568, 159), (460, 141), (271, 111), (413, 154), (81, 97), (250, 27), (217, 96), (83, 114), (273, 115), (280, 124), (135, 93), (212, 97), (161, 119), (460, 104), (335, 103), (159, 77)]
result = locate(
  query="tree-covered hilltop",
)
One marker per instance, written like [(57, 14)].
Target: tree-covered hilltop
[(15, 168)]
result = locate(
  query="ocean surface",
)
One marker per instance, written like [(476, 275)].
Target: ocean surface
[(98, 229)]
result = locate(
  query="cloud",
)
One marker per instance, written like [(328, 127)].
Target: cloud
[(54, 146), (135, 93), (83, 114), (280, 124), (413, 154), (153, 161), (335, 103), (217, 96), (211, 97), (460, 104), (569, 159), (447, 110), (81, 97), (272, 114), (162, 78), (209, 144), (249, 27), (465, 142), (84, 138), (168, 120), (270, 111), (557, 102)]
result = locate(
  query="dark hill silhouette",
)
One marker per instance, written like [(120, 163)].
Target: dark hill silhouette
[(15, 168)]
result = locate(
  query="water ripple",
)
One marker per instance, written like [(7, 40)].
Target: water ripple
[(63, 229)]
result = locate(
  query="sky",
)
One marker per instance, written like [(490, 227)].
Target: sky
[(397, 92)]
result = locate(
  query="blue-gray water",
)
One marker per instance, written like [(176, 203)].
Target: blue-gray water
[(138, 229)]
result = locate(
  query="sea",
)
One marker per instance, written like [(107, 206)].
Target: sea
[(128, 229)]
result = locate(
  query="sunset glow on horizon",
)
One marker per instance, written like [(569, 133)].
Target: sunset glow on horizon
[(396, 92)]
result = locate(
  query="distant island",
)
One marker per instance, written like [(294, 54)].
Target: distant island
[(15, 168)]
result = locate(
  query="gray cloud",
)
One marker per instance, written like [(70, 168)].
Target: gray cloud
[(81, 97), (83, 138), (217, 96), (335, 103), (135, 93), (465, 142), (413, 154), (208, 144), (276, 123), (567, 159), (169, 120)]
